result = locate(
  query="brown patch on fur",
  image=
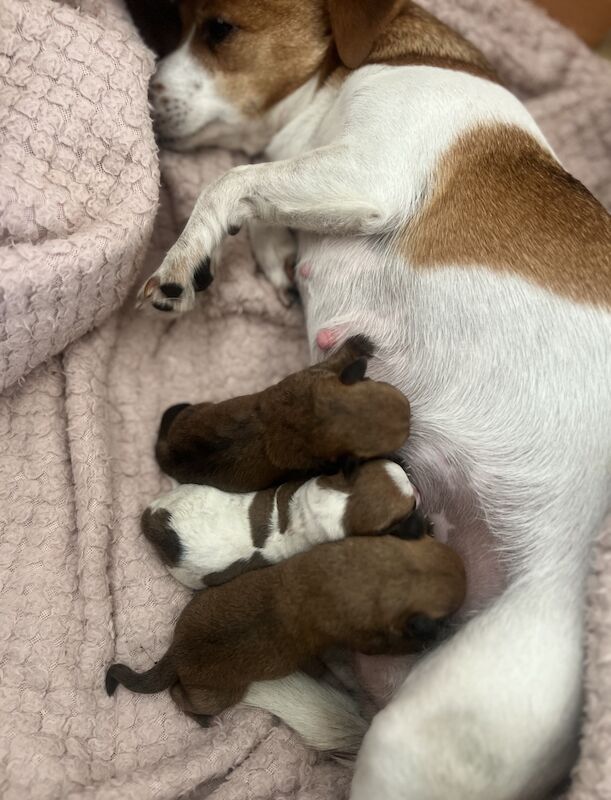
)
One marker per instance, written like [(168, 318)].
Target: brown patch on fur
[(375, 502), (156, 526), (297, 428), (397, 34), (256, 561), (416, 37), (359, 593), (499, 200), (277, 45), (284, 495), (260, 516)]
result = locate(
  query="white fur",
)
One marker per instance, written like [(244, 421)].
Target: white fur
[(509, 385), (325, 718), (214, 527), (189, 110)]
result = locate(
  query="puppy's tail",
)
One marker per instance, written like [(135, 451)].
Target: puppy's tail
[(160, 677), (325, 718)]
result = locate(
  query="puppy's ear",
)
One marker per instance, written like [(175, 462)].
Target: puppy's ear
[(347, 465), (356, 24), (422, 628), (354, 372), (413, 527), (354, 348)]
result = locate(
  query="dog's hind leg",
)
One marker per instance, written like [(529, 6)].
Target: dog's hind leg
[(202, 702), (493, 713)]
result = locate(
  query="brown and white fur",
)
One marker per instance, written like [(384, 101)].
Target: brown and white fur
[(431, 215), (373, 594), (207, 537)]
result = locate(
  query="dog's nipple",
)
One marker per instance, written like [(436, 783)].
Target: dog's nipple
[(326, 338)]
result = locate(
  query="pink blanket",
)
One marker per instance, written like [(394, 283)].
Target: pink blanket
[(84, 380)]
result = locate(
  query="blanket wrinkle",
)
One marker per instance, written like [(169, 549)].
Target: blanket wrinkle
[(84, 217)]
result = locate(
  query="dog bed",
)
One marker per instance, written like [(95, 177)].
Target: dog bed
[(87, 208)]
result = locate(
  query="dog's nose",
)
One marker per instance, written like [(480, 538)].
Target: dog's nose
[(169, 415), (157, 86)]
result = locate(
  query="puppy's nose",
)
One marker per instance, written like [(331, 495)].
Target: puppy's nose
[(157, 86), (169, 415)]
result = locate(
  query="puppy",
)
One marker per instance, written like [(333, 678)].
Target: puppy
[(308, 423), (431, 215), (371, 594), (207, 537)]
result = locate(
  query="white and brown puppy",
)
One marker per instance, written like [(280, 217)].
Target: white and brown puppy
[(207, 537), (432, 216)]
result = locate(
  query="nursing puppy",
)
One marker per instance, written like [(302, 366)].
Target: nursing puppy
[(313, 421), (207, 537), (431, 215), (372, 594)]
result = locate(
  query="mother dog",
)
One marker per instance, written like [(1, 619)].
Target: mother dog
[(431, 215)]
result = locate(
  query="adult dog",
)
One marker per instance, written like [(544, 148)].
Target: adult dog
[(432, 216)]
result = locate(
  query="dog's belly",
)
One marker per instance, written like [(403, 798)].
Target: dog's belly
[(359, 304)]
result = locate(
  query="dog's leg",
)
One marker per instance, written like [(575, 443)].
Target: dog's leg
[(198, 701), (322, 191), (275, 251), (493, 713)]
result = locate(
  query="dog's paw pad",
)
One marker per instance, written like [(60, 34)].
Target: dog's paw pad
[(202, 277), (171, 290), (163, 306)]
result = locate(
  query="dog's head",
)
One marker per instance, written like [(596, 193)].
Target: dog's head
[(381, 500), (239, 59), (400, 594)]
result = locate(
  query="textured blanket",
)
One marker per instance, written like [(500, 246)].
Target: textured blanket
[(84, 378)]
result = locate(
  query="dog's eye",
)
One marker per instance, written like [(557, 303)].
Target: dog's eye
[(217, 30)]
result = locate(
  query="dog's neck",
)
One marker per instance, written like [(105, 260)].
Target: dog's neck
[(413, 38)]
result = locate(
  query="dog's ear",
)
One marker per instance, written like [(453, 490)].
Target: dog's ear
[(415, 526), (356, 24), (347, 465), (422, 628), (354, 372)]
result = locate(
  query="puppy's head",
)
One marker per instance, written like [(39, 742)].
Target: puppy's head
[(400, 593), (381, 500), (238, 59), (352, 417), (219, 444)]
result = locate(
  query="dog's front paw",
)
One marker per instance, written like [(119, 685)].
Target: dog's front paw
[(172, 288)]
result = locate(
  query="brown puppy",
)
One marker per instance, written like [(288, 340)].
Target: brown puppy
[(374, 595), (304, 425)]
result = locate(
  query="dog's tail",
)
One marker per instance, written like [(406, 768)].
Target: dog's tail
[(160, 677), (325, 718)]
